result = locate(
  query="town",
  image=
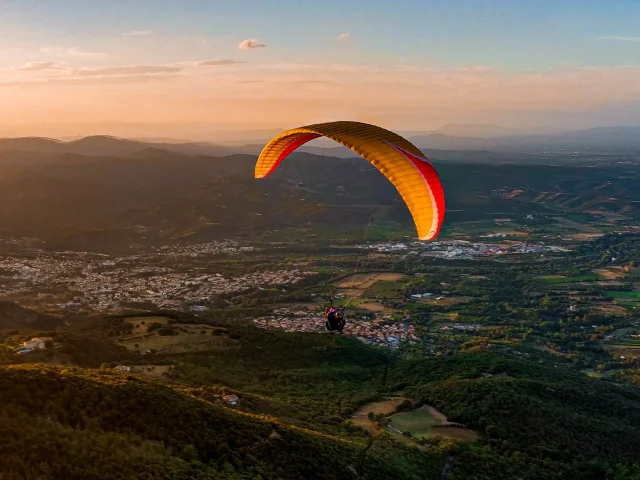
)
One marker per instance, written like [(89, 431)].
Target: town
[(178, 276), (382, 332), (91, 282)]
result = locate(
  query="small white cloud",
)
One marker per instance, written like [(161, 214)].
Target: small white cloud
[(620, 38), (137, 33), (344, 36), (250, 43), (69, 52), (217, 63)]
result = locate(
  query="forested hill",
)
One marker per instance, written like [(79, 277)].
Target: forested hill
[(13, 316), (157, 197), (540, 422), (76, 424), (537, 418)]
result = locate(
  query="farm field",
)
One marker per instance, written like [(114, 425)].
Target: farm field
[(579, 226), (426, 421), (384, 288), (184, 337), (623, 296), (588, 277), (371, 306), (364, 290), (611, 273), (183, 342), (445, 301), (383, 407)]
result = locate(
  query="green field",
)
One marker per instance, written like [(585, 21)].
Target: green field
[(623, 296), (337, 302), (418, 422), (593, 374), (385, 288), (427, 421), (628, 342), (623, 332), (589, 277), (190, 338)]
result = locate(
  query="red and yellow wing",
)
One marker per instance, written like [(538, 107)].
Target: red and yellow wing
[(398, 159)]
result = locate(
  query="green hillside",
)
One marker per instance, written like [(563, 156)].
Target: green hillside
[(539, 421), (536, 419), (81, 424)]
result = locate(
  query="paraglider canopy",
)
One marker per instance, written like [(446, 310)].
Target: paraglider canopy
[(398, 159)]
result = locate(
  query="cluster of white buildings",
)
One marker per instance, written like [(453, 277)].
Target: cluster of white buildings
[(458, 248), (227, 247), (384, 334), (461, 249), (298, 321), (463, 327), (380, 332)]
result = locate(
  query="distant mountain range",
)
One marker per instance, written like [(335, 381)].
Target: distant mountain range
[(475, 130), (602, 139), (486, 138), (103, 145)]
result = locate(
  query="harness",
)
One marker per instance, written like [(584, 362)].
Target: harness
[(335, 320)]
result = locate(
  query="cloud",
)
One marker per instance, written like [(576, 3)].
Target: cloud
[(137, 33), (49, 73), (38, 66), (34, 67), (344, 36), (620, 38), (116, 80), (250, 43), (133, 70), (217, 63), (70, 52), (42, 72)]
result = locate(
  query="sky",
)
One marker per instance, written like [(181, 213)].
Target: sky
[(191, 68)]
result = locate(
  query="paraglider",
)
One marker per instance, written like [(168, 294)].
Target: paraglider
[(398, 159), (335, 318)]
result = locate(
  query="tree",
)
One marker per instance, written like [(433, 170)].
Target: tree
[(189, 453), (404, 406)]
